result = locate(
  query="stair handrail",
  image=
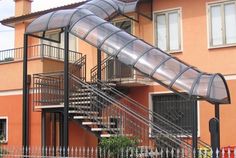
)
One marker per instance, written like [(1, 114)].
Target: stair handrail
[(150, 112), (123, 107), (93, 70)]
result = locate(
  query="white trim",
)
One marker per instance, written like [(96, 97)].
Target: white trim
[(14, 92), (5, 118), (150, 103), (180, 10), (11, 92), (230, 77), (219, 1)]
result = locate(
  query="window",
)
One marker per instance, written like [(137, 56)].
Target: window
[(3, 129), (222, 22), (175, 109), (168, 31), (116, 69), (54, 49)]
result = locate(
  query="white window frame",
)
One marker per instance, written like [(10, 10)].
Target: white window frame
[(59, 44), (150, 103), (209, 28), (167, 11), (5, 118)]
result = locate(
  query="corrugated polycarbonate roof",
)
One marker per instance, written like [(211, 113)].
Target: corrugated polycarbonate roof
[(88, 22)]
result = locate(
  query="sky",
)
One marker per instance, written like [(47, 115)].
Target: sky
[(7, 8)]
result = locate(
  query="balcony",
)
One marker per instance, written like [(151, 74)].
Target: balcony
[(37, 51), (123, 75)]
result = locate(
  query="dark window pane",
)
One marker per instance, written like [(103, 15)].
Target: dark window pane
[(3, 129)]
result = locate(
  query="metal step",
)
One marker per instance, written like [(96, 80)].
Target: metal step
[(88, 117), (104, 129), (98, 123), (84, 107), (107, 135), (78, 94), (49, 106), (84, 89), (94, 117), (81, 97), (107, 83), (81, 102), (83, 112)]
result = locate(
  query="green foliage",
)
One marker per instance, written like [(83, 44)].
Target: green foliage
[(118, 144)]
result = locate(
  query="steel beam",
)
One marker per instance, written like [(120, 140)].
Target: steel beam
[(195, 130), (43, 129), (66, 90), (217, 115), (25, 110)]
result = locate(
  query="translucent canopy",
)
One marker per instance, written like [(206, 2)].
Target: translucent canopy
[(88, 22)]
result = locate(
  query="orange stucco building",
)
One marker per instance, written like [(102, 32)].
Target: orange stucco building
[(189, 31)]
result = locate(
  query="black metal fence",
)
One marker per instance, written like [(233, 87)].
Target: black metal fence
[(95, 152)]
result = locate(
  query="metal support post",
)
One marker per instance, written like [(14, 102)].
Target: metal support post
[(25, 128), (66, 89)]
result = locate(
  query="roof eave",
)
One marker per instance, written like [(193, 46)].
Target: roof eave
[(10, 22)]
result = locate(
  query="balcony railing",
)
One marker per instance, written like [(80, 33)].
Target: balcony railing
[(37, 51), (113, 70)]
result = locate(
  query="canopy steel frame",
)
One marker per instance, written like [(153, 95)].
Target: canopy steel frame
[(25, 127)]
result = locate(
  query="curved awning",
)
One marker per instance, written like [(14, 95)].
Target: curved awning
[(88, 22)]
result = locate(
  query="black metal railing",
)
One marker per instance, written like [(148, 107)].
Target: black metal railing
[(130, 119), (114, 70), (78, 68), (49, 87), (132, 123), (38, 51), (156, 118)]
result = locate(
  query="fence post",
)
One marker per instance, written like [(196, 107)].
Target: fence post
[(229, 152), (235, 152)]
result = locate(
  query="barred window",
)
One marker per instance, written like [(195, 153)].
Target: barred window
[(3, 129), (175, 109)]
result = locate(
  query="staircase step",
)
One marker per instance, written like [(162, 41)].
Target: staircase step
[(104, 129), (73, 107), (81, 98), (79, 94), (81, 102), (107, 135), (93, 117), (84, 89), (98, 123), (83, 112), (49, 106), (88, 117)]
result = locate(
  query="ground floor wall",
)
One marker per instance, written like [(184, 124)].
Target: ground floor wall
[(11, 109)]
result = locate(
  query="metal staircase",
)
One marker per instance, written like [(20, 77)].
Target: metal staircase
[(104, 111)]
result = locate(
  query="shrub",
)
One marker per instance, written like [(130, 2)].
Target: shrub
[(118, 144)]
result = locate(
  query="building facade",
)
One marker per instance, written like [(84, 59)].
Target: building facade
[(201, 33)]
